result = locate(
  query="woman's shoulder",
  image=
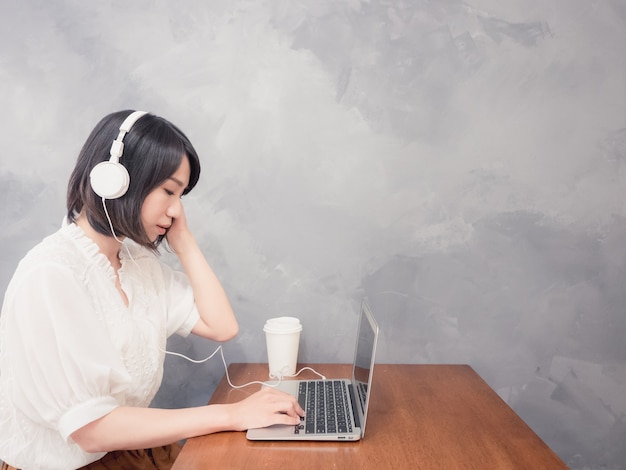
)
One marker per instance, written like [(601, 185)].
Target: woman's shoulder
[(52, 248), (67, 248)]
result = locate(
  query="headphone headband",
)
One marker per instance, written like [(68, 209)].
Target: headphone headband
[(117, 147)]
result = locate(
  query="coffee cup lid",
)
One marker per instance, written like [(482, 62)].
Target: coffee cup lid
[(282, 325)]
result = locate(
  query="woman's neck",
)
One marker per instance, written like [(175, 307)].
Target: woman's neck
[(108, 245)]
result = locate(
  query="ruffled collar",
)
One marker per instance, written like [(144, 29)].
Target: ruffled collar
[(129, 250), (88, 247)]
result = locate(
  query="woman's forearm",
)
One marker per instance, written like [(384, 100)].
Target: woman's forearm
[(128, 428), (219, 322)]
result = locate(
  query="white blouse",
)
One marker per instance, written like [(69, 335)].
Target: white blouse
[(71, 351)]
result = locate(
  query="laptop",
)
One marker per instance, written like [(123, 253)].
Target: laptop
[(341, 404)]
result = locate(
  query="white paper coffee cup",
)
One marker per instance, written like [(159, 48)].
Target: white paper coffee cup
[(282, 335)]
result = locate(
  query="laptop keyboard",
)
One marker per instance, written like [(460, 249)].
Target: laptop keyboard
[(325, 403)]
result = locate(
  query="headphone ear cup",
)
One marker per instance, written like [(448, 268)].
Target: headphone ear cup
[(109, 180)]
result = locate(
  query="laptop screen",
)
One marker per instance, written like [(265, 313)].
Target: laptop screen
[(363, 366)]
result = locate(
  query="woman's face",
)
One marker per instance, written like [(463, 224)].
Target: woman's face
[(163, 204)]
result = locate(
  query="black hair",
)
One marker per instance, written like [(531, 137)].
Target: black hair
[(153, 151)]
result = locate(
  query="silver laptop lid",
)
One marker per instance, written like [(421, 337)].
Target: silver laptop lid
[(363, 364)]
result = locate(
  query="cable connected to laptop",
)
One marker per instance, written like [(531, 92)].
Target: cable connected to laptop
[(219, 349)]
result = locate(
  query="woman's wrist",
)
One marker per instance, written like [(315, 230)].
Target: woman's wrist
[(182, 242)]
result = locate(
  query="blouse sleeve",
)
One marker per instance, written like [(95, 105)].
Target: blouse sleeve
[(182, 313), (66, 373)]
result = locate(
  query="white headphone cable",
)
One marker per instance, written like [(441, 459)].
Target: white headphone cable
[(106, 212), (280, 378)]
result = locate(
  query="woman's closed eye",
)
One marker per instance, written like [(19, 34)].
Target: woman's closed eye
[(173, 193)]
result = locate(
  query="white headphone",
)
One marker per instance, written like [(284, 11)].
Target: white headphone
[(110, 179)]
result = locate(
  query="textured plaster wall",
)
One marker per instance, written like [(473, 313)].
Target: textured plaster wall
[(460, 164)]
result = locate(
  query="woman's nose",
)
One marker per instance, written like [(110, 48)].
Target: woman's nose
[(173, 210)]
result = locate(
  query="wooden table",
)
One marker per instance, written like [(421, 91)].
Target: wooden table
[(420, 417)]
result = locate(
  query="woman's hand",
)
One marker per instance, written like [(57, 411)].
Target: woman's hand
[(264, 408), (178, 233)]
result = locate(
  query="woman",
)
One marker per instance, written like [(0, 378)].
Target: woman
[(88, 311)]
